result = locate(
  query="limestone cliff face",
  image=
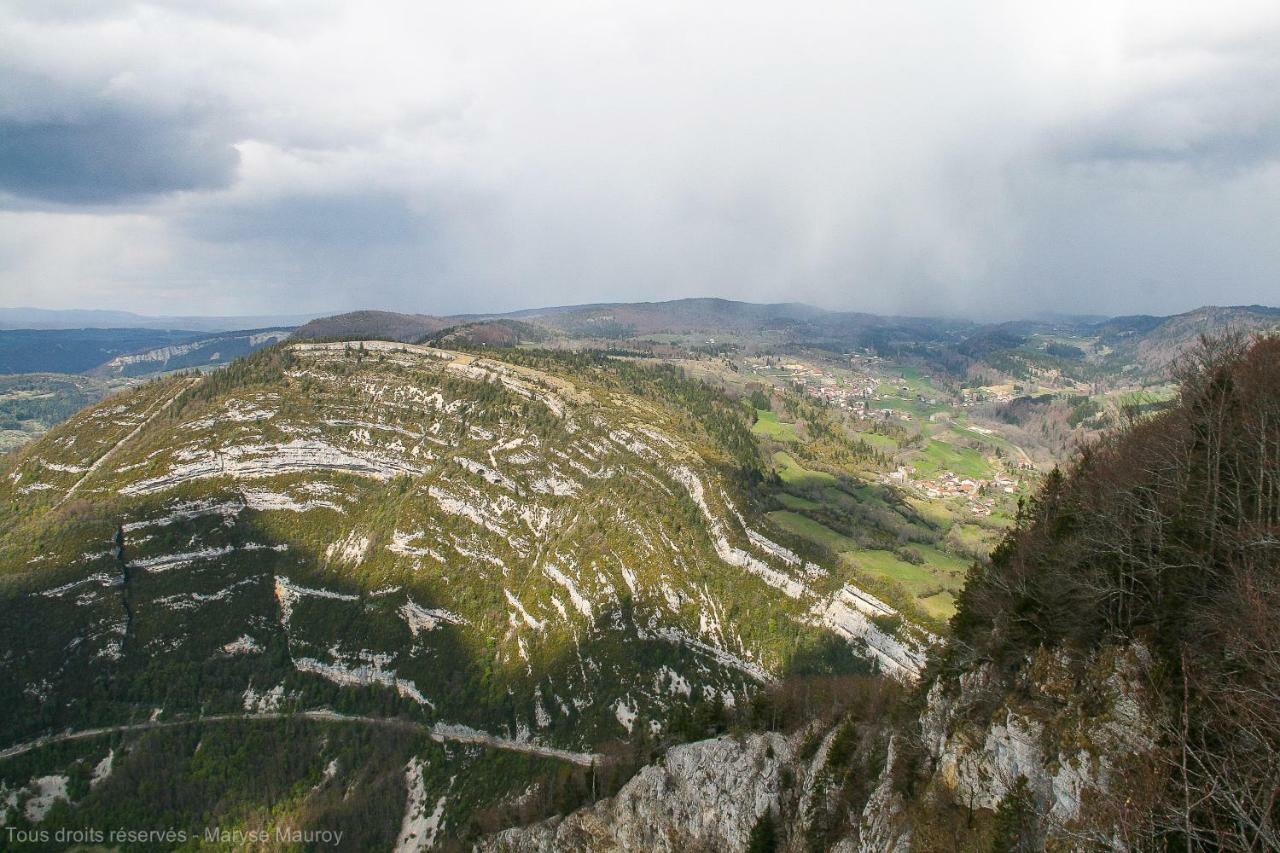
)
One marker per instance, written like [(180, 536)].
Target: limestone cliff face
[(1077, 736), (882, 826), (1072, 738), (706, 795)]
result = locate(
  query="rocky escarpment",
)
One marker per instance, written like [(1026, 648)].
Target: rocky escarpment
[(200, 354), (707, 795), (1061, 750), (1059, 755)]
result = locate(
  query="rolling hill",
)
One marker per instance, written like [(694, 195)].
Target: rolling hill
[(383, 325)]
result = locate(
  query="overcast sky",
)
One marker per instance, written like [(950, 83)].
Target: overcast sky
[(950, 157)]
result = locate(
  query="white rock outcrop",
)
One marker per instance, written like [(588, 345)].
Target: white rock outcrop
[(707, 795), (976, 763)]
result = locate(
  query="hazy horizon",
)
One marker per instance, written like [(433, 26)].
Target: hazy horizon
[(301, 317)]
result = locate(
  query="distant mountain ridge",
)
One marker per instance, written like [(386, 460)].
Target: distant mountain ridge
[(80, 318), (78, 350), (201, 352), (1140, 344), (1121, 352), (125, 352)]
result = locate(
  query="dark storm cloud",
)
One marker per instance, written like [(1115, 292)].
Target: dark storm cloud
[(106, 158)]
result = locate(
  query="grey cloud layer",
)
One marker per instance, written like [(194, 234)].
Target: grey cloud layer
[(968, 158), (110, 158)]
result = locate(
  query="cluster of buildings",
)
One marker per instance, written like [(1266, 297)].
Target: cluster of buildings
[(986, 394), (976, 491), (842, 393), (1005, 393), (841, 396)]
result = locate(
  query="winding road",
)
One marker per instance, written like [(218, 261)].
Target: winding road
[(439, 732)]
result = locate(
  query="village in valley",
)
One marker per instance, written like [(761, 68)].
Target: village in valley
[(866, 390), (905, 472)]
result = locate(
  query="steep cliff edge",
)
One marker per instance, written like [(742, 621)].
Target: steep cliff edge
[(1062, 754), (1061, 757)]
